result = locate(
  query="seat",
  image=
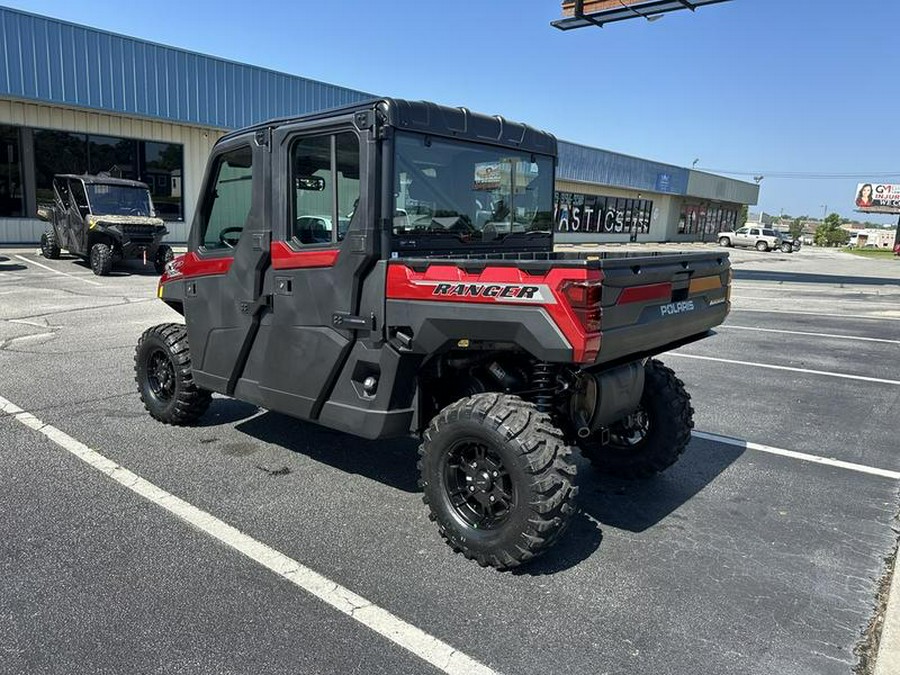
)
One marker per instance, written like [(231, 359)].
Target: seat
[(310, 230)]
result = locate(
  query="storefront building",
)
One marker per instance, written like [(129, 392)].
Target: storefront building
[(75, 99)]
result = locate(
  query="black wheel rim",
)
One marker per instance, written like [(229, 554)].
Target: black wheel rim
[(631, 432), (478, 485), (160, 376)]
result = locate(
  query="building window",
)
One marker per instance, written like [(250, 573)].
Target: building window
[(574, 212), (706, 220), (114, 156), (159, 165), (56, 152), (12, 197)]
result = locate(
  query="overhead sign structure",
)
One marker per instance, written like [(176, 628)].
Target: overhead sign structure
[(582, 13), (878, 198)]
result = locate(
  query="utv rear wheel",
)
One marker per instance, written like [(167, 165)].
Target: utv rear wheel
[(162, 366), (762, 246), (164, 255), (101, 259), (497, 478), (654, 437), (49, 245)]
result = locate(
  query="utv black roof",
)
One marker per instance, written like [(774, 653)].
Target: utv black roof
[(103, 180), (430, 118)]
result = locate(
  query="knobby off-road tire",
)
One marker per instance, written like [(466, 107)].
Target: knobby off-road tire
[(498, 479), (666, 419), (164, 254), (162, 368), (49, 245), (101, 259)]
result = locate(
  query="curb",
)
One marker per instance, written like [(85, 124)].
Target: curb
[(887, 662)]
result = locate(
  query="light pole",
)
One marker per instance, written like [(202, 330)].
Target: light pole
[(694, 163), (824, 211)]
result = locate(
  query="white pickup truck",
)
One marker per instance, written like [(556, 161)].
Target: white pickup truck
[(760, 238)]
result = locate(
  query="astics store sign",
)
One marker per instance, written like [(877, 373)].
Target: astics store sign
[(878, 198)]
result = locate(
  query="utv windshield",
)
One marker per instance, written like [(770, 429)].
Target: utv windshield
[(119, 200), (456, 192)]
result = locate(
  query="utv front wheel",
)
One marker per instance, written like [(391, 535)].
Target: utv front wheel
[(49, 245), (101, 259), (162, 366), (497, 478), (164, 255), (652, 438)]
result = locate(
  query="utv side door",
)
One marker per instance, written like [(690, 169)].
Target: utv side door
[(315, 273), (228, 254), (62, 204), (76, 216)]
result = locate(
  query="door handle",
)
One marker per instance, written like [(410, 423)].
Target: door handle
[(348, 321)]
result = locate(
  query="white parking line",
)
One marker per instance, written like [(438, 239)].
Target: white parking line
[(34, 336), (890, 306), (829, 461), (770, 366), (823, 314), (416, 641), (819, 289), (27, 322), (802, 332), (65, 274)]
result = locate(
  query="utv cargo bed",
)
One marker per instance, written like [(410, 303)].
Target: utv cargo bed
[(644, 303)]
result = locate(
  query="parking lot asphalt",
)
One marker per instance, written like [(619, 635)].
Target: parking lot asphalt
[(734, 561)]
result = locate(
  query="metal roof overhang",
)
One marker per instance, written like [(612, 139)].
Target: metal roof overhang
[(636, 10)]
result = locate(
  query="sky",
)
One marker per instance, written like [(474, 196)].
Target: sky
[(750, 86)]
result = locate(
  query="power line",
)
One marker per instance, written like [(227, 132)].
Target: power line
[(800, 175)]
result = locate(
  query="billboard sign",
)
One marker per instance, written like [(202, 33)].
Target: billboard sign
[(581, 13), (878, 198)]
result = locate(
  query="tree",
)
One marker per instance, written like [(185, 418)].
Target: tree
[(796, 228), (745, 214), (830, 233)]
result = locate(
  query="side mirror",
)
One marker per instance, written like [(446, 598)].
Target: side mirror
[(310, 183)]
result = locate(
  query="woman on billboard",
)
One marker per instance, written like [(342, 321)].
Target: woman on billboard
[(864, 198)]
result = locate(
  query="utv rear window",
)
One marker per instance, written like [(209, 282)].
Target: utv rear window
[(227, 203), (461, 192)]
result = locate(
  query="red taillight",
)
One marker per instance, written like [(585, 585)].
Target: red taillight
[(584, 299)]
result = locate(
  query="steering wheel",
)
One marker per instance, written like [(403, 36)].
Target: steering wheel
[(227, 241)]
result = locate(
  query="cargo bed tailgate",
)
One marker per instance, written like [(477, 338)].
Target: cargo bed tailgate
[(650, 303)]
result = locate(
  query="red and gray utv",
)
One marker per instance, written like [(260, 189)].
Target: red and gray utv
[(387, 270)]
